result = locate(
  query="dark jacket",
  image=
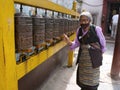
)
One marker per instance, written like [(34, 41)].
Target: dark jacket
[(90, 37)]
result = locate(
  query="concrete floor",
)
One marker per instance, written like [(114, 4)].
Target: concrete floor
[(64, 78)]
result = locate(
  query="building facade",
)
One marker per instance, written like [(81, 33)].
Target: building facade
[(109, 9)]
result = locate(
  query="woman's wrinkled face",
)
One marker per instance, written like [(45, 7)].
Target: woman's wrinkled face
[(84, 22)]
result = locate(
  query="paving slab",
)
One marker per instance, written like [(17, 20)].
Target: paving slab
[(64, 78)]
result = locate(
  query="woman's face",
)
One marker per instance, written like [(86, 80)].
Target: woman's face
[(84, 22)]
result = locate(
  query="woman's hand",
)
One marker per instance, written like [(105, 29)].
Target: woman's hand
[(67, 40)]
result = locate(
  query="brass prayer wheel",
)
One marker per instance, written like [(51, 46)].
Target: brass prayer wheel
[(61, 28), (66, 25), (56, 28), (23, 33), (38, 30), (48, 29)]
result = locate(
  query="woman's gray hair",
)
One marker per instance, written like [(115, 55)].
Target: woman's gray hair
[(87, 14)]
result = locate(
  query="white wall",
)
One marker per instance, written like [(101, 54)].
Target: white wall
[(95, 7)]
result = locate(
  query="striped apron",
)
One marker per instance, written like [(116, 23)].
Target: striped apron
[(87, 75)]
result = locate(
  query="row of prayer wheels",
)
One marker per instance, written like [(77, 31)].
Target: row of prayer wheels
[(33, 31)]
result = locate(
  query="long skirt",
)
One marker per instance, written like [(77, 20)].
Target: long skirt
[(86, 75)]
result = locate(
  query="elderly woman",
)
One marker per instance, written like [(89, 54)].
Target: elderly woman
[(86, 35)]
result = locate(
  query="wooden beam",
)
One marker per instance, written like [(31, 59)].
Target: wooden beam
[(8, 79), (46, 4), (115, 69)]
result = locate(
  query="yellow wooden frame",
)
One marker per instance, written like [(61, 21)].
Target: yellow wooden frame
[(25, 67), (10, 72), (8, 78), (46, 4)]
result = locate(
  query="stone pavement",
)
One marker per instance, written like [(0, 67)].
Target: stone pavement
[(64, 78)]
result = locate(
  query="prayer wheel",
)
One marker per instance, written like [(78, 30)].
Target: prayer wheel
[(61, 28), (70, 26), (49, 29), (65, 25), (75, 24), (56, 28), (38, 30), (23, 33)]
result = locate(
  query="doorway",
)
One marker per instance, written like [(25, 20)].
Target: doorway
[(113, 8)]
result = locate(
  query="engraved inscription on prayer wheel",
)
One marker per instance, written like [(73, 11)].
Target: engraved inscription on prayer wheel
[(75, 24), (70, 25), (48, 28), (61, 28), (38, 30), (56, 28), (65, 25), (23, 32)]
